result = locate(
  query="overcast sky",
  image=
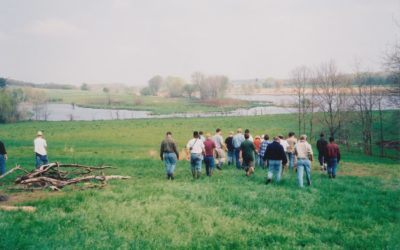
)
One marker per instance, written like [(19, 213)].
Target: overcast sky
[(129, 41)]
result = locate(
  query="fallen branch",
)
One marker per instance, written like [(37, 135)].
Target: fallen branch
[(14, 208), (18, 167)]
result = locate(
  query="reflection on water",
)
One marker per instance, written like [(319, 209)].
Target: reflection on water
[(67, 112)]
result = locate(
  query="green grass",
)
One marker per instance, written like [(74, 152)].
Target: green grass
[(358, 210)]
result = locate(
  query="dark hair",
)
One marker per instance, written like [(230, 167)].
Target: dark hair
[(331, 139), (291, 134), (247, 131), (218, 130), (246, 136), (200, 132), (169, 133), (280, 136), (266, 137), (195, 134), (321, 135)]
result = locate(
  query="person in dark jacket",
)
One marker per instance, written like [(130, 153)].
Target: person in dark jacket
[(230, 148), (333, 157), (276, 157), (3, 158), (321, 146), (169, 154)]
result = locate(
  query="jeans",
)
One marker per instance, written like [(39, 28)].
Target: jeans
[(41, 160), (209, 161), (237, 158), (290, 157), (321, 159), (275, 169), (170, 162), (332, 165), (195, 161), (303, 164), (2, 165), (231, 157)]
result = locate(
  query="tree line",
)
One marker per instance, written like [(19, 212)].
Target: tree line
[(205, 87)]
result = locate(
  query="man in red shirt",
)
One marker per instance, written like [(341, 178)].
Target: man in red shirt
[(209, 147), (333, 155)]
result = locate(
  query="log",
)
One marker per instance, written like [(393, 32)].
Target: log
[(22, 208), (62, 183)]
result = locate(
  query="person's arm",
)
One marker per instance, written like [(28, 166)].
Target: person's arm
[(162, 150), (283, 155), (175, 150)]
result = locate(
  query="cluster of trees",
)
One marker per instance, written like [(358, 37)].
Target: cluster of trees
[(343, 101), (206, 87), (9, 101)]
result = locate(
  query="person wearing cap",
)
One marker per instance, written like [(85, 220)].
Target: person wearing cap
[(169, 154), (195, 148), (237, 141), (276, 158), (40, 146), (230, 148), (248, 149), (304, 154), (209, 148), (219, 148), (3, 158)]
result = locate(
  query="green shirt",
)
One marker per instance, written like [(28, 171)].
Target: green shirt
[(247, 147)]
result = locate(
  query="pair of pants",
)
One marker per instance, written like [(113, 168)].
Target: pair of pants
[(332, 165), (303, 165), (170, 162), (237, 158), (290, 156), (41, 160), (321, 159), (231, 157), (209, 161), (2, 165), (275, 169), (195, 161)]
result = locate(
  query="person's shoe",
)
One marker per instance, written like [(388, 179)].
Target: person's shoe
[(194, 174), (198, 174), (168, 176), (309, 183), (172, 177), (333, 176), (268, 181), (219, 167)]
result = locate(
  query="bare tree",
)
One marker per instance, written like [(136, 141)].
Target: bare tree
[(300, 77), (331, 96)]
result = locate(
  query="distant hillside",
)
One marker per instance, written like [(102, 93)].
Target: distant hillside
[(17, 83)]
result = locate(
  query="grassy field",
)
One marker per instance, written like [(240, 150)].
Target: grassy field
[(358, 210), (155, 104)]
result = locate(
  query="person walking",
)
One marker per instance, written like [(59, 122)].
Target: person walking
[(40, 146), (248, 149), (209, 148), (257, 144), (304, 154), (291, 141), (230, 148), (321, 146), (276, 157), (263, 148), (220, 148), (237, 141), (3, 158), (169, 154), (195, 150), (333, 157)]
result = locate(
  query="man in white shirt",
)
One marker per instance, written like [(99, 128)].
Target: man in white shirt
[(40, 145), (304, 154), (195, 148)]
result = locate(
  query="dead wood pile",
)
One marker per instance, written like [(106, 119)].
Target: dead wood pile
[(56, 176)]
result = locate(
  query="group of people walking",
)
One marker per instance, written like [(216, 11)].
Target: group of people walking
[(40, 149), (247, 153)]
